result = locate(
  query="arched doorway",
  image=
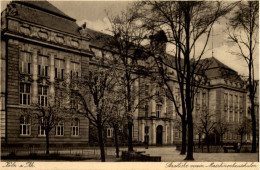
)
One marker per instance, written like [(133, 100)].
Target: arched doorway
[(159, 131)]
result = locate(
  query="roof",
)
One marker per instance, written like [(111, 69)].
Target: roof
[(45, 14), (45, 6), (99, 39), (218, 69)]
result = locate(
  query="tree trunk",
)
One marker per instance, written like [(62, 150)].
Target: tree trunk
[(241, 140), (101, 143), (199, 140), (116, 141), (221, 138), (130, 136), (47, 143), (188, 83), (183, 143), (207, 137), (253, 127)]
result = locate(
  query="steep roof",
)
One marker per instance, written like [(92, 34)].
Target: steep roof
[(217, 69), (45, 6), (45, 14)]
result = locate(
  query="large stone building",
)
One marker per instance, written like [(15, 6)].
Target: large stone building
[(40, 45)]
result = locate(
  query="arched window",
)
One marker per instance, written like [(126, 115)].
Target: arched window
[(75, 127), (25, 125)]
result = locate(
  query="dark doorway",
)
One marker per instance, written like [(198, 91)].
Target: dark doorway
[(159, 130)]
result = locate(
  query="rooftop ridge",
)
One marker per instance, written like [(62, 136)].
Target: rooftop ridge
[(45, 6)]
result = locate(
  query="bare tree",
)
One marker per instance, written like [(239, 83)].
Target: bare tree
[(127, 44), (207, 123), (92, 96), (221, 127), (184, 23), (48, 112), (243, 128), (243, 32)]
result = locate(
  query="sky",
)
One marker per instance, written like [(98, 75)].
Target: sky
[(93, 13)]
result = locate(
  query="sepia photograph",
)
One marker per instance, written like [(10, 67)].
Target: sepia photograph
[(173, 83)]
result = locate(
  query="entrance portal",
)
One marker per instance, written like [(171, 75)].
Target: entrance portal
[(159, 130)]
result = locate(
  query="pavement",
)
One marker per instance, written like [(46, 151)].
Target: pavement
[(167, 153)]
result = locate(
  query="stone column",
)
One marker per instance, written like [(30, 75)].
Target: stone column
[(153, 106), (153, 137), (34, 76), (166, 133), (171, 132), (164, 107), (67, 68), (142, 130), (52, 72)]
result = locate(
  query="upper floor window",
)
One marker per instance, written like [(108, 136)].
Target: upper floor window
[(75, 127), (110, 132), (59, 69), (43, 65), (231, 99), (146, 110), (225, 98), (25, 62), (42, 95), (203, 98), (59, 130), (241, 101), (236, 100), (198, 98), (158, 110), (25, 125), (146, 90), (25, 94), (74, 73)]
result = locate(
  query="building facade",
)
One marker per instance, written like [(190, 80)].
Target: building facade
[(40, 45)]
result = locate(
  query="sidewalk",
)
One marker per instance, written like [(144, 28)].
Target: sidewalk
[(167, 153)]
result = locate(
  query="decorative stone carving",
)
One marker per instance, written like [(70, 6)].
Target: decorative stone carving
[(48, 35), (11, 10)]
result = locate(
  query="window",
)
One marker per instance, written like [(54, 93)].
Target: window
[(198, 98), (225, 98), (25, 125), (157, 92), (146, 110), (75, 127), (59, 69), (110, 132), (203, 98), (236, 101), (231, 100), (41, 127), (42, 95), (25, 62), (25, 94), (146, 90), (43, 65), (177, 96), (60, 129), (231, 117), (74, 73), (158, 110)]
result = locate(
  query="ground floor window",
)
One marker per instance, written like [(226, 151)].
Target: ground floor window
[(75, 127), (41, 128), (25, 125), (110, 132), (60, 129)]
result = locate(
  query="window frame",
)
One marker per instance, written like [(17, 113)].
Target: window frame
[(110, 132), (43, 95), (24, 95), (158, 110), (75, 127), (25, 124), (59, 128)]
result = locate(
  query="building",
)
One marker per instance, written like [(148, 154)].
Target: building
[(40, 45)]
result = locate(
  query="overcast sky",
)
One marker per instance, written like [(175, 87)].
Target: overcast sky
[(93, 12)]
